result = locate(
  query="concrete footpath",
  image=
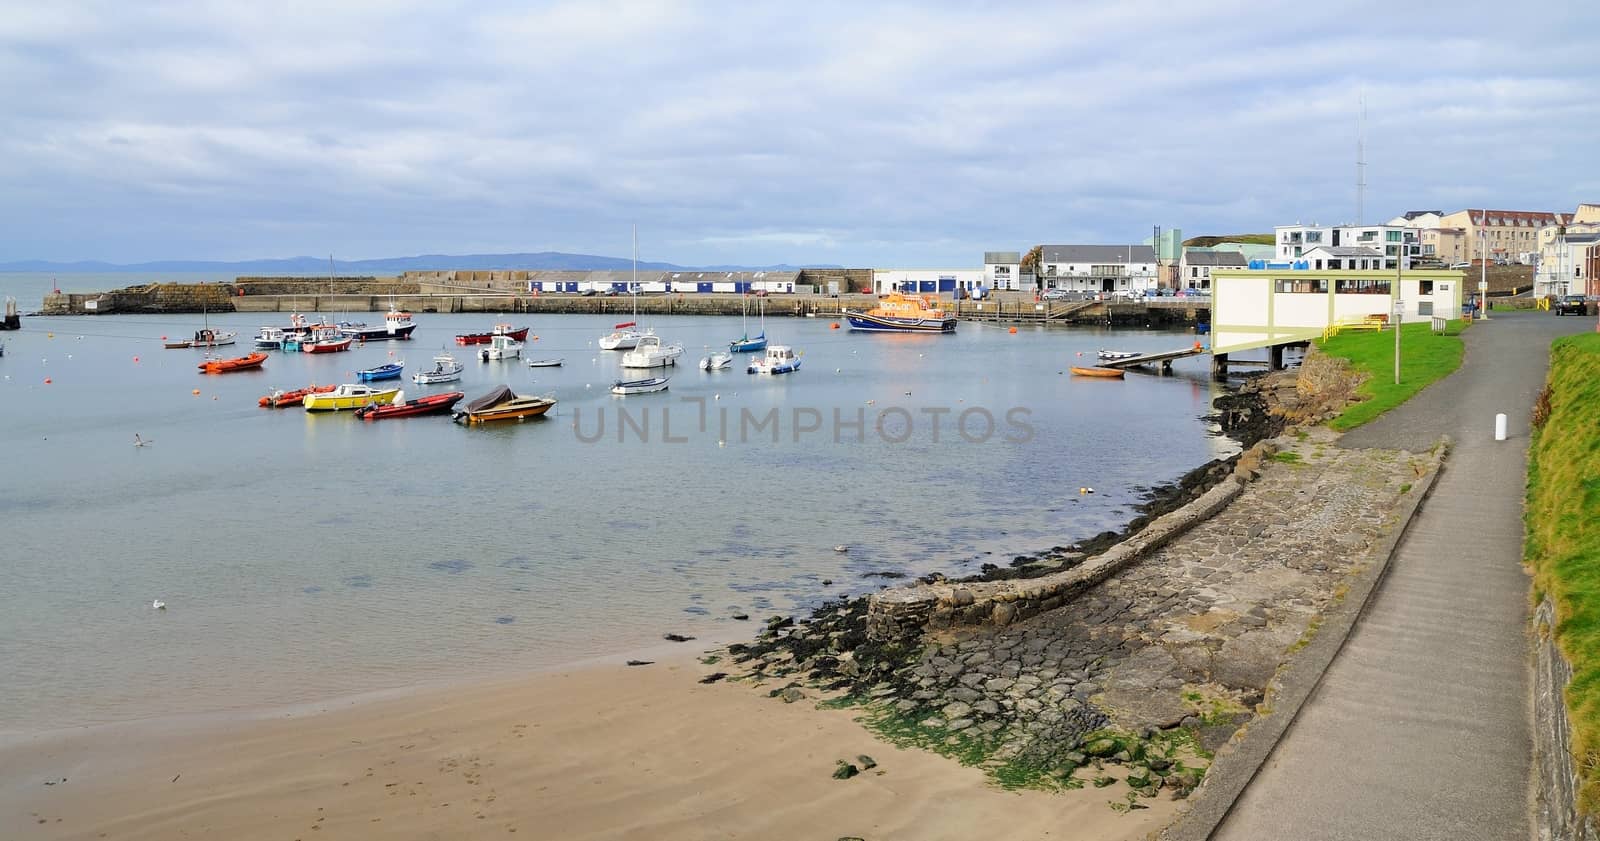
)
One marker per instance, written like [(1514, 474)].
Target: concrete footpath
[(1420, 728)]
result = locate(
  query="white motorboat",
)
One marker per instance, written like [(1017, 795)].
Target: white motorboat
[(716, 361), (651, 353), (779, 359), (445, 370), (501, 347), (623, 337), (270, 338), (1113, 355), (639, 386)]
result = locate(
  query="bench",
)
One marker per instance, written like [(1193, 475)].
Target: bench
[(1375, 322)]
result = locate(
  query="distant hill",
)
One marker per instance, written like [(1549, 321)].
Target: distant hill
[(384, 265), (1207, 242)]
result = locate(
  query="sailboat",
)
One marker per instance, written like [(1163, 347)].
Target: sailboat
[(204, 337), (624, 336), (746, 343)]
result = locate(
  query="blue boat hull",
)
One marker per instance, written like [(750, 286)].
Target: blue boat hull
[(387, 372), (749, 345), (781, 369), (881, 324)]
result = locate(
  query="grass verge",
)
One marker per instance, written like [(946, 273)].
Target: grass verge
[(1425, 356), (1563, 537)]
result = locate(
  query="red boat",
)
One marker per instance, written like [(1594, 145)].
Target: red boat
[(281, 399), (433, 404), (520, 334), (242, 363)]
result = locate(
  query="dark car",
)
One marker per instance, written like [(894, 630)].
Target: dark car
[(1571, 305)]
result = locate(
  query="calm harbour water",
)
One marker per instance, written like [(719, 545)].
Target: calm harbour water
[(311, 556)]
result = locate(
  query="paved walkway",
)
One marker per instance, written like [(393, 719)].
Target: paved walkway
[(1420, 728)]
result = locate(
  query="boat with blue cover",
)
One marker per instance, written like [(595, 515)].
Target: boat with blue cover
[(390, 371)]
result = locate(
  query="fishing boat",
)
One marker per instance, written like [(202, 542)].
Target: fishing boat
[(503, 404), (517, 333), (281, 399), (445, 370), (651, 353), (240, 363), (639, 386), (390, 371), (716, 361), (270, 338), (293, 342), (545, 363), (1096, 371), (899, 313), (501, 347), (350, 396), (780, 359), (204, 338), (748, 343), (1114, 355), (396, 325), (623, 336), (433, 404), (326, 339)]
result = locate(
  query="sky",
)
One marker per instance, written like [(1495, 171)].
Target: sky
[(755, 133)]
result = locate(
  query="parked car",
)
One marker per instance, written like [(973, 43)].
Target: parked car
[(1054, 295), (1571, 305), (1466, 265)]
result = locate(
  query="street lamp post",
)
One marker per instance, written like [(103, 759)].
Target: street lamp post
[(1399, 315), (1483, 282)]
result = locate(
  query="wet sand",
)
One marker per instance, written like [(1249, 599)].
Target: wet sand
[(604, 752)]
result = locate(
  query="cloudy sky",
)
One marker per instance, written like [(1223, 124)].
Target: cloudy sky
[(863, 134)]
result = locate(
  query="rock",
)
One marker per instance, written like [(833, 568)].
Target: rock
[(1249, 660), (906, 705), (960, 724), (999, 684), (956, 709), (867, 762), (791, 694), (1003, 613), (965, 693), (641, 662), (845, 771), (713, 677), (742, 617), (1158, 764), (987, 707), (1101, 747), (1077, 757), (1213, 736), (676, 638)]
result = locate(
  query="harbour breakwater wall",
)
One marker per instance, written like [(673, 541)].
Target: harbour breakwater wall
[(1557, 812)]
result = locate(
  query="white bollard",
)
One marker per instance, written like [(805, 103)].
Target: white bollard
[(1500, 427)]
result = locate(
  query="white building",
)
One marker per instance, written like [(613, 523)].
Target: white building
[(1003, 269), (929, 281), (1346, 257), (1394, 241), (1097, 268), (1194, 269), (1562, 261)]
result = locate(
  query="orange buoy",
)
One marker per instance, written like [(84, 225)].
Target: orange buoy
[(163, 338), (835, 326), (1013, 330), (46, 380), (49, 335), (136, 359), (196, 392)]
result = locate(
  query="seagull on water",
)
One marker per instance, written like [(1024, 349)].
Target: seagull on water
[(140, 442), (158, 605), (841, 548)]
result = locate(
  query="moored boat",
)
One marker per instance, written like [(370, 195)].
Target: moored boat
[(432, 404), (503, 404), (390, 371), (545, 363), (281, 399), (350, 396), (716, 361), (639, 386), (325, 340), (396, 325), (240, 363), (504, 346), (779, 359), (1114, 355), (621, 337), (899, 313), (517, 333), (270, 338), (651, 353), (1095, 371), (204, 339), (445, 370)]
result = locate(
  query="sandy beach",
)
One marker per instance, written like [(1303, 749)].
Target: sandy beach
[(602, 752)]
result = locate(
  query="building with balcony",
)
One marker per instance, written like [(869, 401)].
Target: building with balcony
[(1194, 270), (1097, 268), (1394, 242), (1566, 263)]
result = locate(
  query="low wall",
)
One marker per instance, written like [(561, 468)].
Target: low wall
[(905, 613), (1557, 809)]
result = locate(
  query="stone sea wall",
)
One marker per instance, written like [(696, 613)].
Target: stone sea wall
[(1557, 811)]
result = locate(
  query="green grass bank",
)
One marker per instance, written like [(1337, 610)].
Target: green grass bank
[(1425, 356), (1563, 536)]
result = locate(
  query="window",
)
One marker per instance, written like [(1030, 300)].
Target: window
[(1303, 285), (1424, 308), (1357, 286), (1425, 287), (1392, 236), (1313, 236)]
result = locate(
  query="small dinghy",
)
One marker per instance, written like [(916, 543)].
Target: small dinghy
[(545, 363), (433, 404), (639, 386), (1106, 373), (716, 361), (390, 371), (445, 370), (241, 363), (1113, 355), (281, 399)]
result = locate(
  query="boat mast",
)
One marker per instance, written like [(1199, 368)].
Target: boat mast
[(633, 288)]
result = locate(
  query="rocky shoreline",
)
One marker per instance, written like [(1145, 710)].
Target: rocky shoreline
[(1137, 680)]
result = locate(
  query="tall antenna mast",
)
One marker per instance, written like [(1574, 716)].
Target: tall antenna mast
[(1361, 162)]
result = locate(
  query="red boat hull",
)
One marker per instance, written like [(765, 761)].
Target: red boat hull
[(433, 404), (223, 366), (328, 347), (293, 398), (520, 334)]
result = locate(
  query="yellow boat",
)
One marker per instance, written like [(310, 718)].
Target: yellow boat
[(899, 313), (350, 396), (1096, 371)]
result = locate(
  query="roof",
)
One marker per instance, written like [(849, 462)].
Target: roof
[(1002, 257), (1195, 257), (1412, 214), (1103, 254), (1515, 218)]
